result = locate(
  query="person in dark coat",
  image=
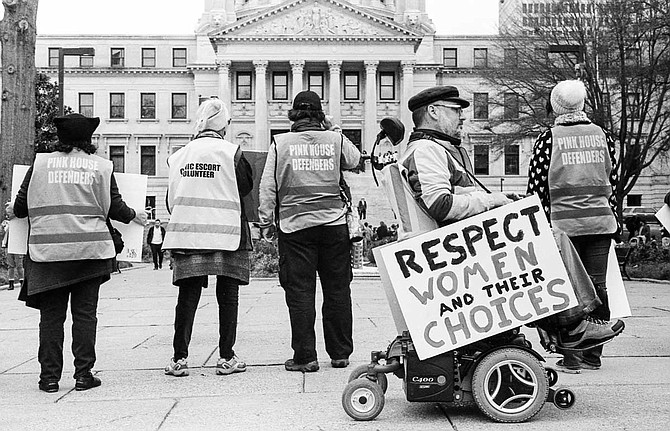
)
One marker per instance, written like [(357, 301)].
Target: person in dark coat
[(155, 238), (68, 195)]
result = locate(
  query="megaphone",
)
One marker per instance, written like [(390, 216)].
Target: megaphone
[(394, 130)]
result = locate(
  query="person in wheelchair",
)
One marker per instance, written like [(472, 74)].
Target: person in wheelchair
[(440, 174)]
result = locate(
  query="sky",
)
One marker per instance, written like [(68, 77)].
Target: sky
[(144, 17)]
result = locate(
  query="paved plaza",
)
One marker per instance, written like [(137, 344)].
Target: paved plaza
[(135, 315)]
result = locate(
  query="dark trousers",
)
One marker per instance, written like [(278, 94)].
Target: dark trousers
[(157, 253), (303, 254), (83, 298), (227, 296), (594, 252)]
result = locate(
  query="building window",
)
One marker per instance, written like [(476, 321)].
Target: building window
[(280, 85), (148, 57), (315, 83), (150, 206), (541, 55), (243, 85), (511, 106), (85, 61), (148, 160), (86, 104), (148, 106), (117, 57), (511, 160), (511, 57), (633, 105), (633, 200), (117, 105), (481, 106), (386, 86), (450, 57), (179, 106), (53, 57), (178, 57), (117, 154), (481, 159), (352, 86), (481, 57)]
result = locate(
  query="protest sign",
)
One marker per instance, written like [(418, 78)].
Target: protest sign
[(663, 215), (477, 277), (617, 298), (132, 187)]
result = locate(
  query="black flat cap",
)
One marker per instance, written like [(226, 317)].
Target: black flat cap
[(433, 94), (75, 128), (307, 101)]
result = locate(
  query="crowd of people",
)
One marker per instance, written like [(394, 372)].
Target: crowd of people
[(301, 204)]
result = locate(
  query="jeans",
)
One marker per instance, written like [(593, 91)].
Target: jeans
[(157, 253), (227, 297), (14, 266), (324, 250), (83, 298), (593, 251)]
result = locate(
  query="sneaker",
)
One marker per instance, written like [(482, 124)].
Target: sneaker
[(49, 387), (309, 367), (86, 382), (230, 366), (339, 363), (569, 369), (177, 369), (591, 331)]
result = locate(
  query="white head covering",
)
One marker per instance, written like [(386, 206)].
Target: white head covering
[(212, 115), (568, 96)]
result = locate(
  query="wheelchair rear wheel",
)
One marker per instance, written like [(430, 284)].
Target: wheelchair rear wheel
[(510, 385)]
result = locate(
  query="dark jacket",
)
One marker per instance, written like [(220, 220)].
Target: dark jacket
[(150, 234), (44, 276)]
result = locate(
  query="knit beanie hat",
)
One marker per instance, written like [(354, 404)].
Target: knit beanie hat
[(212, 115), (568, 96)]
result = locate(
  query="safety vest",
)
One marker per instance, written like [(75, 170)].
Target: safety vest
[(68, 203), (413, 218), (579, 187), (204, 203), (308, 175)]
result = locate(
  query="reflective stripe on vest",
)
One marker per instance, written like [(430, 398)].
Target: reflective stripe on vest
[(203, 197), (579, 187), (68, 203), (414, 220), (308, 173)]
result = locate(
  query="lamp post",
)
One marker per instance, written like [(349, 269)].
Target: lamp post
[(62, 52)]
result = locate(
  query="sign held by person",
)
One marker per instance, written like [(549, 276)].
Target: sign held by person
[(477, 277)]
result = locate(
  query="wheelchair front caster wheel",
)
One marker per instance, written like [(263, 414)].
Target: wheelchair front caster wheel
[(552, 376), (361, 372), (563, 398), (363, 399)]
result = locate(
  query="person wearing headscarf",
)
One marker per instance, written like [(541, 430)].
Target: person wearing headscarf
[(68, 195), (572, 171), (208, 233)]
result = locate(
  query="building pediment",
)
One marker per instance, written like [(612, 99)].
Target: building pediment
[(316, 19)]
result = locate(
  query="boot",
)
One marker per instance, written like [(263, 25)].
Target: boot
[(11, 285)]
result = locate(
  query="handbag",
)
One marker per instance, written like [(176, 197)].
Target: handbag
[(117, 238)]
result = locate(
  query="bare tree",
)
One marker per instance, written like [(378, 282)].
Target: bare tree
[(619, 48), (17, 133)]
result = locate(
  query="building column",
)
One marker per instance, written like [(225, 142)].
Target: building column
[(371, 127), (261, 140), (335, 67), (407, 93), (297, 67), (223, 67)]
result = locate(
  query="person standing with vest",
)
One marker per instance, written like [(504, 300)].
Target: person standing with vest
[(300, 184), (68, 195), (572, 171), (208, 232), (155, 240)]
